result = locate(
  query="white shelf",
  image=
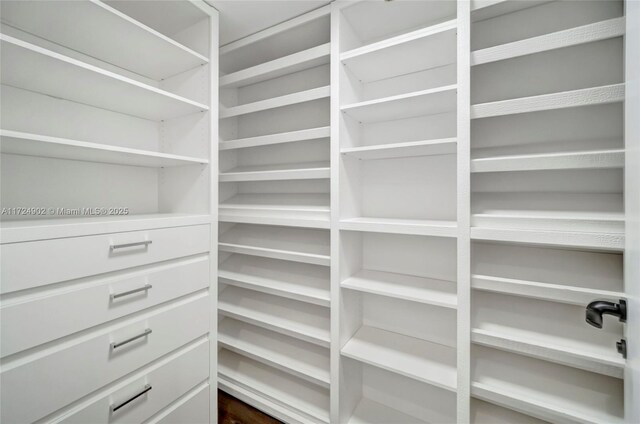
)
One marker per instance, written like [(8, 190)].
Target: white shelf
[(418, 103), (600, 159), (287, 137), (276, 102), (422, 49), (296, 62), (292, 244), (552, 292), (100, 31), (302, 321), (303, 282), (436, 228), (296, 210), (537, 403), (303, 360), (370, 412), (408, 287), (41, 229), (421, 360), (551, 221), (295, 171), (486, 9), (597, 241), (444, 146), (563, 351), (566, 99), (278, 387), (571, 37), (37, 69), (20, 143)]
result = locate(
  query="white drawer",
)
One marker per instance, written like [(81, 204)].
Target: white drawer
[(43, 382), (37, 263), (149, 393), (29, 321), (192, 409)]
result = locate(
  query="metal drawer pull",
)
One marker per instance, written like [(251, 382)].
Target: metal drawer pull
[(129, 340), (125, 245), (144, 390), (144, 288)]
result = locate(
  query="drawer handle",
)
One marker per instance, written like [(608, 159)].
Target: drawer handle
[(130, 339), (144, 288), (125, 245), (144, 390)]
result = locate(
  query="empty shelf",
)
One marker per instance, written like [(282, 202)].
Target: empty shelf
[(303, 282), (287, 137), (291, 244), (600, 159), (443, 146), (100, 31), (425, 102), (300, 320), (422, 49), (487, 9), (571, 37), (370, 412), (566, 99), (436, 228), (278, 387), (553, 292), (37, 69), (543, 346), (296, 62), (304, 360), (419, 359), (295, 210), (551, 220), (295, 171), (19, 143), (598, 241), (276, 102), (40, 229), (408, 287)]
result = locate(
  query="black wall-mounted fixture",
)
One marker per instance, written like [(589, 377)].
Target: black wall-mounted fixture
[(598, 308)]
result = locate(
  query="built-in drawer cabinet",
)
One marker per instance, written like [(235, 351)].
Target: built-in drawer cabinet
[(38, 263), (35, 385), (193, 409), (141, 397)]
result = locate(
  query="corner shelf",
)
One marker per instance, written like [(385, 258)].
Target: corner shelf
[(305, 322), (407, 287), (571, 37), (296, 171), (428, 362), (87, 26), (51, 73), (296, 62), (303, 360), (292, 244), (401, 55), (20, 143), (267, 140), (576, 98), (436, 228), (444, 146), (276, 102), (600, 159), (302, 282), (424, 102)]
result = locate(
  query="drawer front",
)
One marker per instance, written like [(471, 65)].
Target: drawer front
[(25, 324), (143, 396), (35, 386), (194, 409), (38, 263)]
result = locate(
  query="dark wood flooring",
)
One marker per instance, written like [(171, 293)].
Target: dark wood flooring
[(234, 411)]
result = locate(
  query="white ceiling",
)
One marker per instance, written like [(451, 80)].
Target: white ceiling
[(239, 18)]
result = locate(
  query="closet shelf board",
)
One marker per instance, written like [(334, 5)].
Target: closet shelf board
[(286, 137), (436, 228), (276, 102), (445, 146), (296, 171), (370, 412), (600, 159)]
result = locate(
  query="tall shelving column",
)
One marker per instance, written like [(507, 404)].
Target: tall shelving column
[(274, 218), (394, 124)]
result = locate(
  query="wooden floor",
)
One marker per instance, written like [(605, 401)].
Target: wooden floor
[(234, 411)]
